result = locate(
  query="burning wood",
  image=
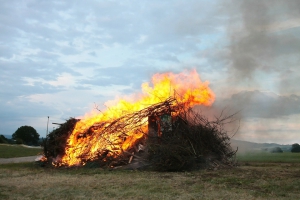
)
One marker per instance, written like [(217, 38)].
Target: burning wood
[(188, 142), (159, 130)]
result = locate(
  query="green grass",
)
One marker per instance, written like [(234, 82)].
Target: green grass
[(260, 175), (254, 181), (12, 151), (17, 166), (285, 157)]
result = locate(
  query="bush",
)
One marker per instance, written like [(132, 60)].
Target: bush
[(295, 148), (276, 150), (193, 143)]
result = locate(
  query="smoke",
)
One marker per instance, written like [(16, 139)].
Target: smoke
[(263, 35), (246, 47), (263, 46), (262, 68)]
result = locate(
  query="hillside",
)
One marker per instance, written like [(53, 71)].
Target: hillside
[(244, 146), (7, 136)]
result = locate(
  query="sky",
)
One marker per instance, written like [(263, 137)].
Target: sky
[(61, 58)]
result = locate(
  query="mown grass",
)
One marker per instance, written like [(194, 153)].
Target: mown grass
[(12, 151), (253, 180)]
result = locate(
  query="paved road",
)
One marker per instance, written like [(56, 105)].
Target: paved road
[(17, 160)]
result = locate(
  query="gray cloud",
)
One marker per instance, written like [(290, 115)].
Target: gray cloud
[(127, 74), (117, 45), (13, 112), (169, 57)]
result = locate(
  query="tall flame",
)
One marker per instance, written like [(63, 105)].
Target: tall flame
[(187, 85)]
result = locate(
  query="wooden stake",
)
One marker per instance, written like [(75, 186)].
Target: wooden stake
[(131, 157)]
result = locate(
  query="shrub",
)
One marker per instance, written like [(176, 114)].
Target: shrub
[(295, 148), (276, 150)]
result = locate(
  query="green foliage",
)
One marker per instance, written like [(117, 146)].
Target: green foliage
[(254, 181), (19, 141), (3, 139), (295, 148), (27, 134), (276, 150)]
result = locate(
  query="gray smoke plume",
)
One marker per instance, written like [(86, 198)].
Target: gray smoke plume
[(263, 67), (264, 37)]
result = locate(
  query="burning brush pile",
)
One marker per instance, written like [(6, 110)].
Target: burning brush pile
[(158, 131)]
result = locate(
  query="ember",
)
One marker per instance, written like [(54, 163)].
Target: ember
[(159, 130)]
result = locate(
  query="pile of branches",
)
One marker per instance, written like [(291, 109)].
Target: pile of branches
[(193, 142), (55, 142)]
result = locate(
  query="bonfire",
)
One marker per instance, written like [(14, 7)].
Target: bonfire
[(158, 130)]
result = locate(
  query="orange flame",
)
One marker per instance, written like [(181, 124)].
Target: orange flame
[(187, 85)]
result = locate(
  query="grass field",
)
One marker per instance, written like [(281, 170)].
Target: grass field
[(252, 179), (12, 151), (260, 156)]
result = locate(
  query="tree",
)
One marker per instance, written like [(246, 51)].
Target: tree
[(27, 134), (276, 150), (3, 139), (295, 148)]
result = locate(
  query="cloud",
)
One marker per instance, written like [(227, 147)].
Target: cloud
[(64, 80), (130, 74), (59, 57)]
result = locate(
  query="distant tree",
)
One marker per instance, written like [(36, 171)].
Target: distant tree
[(276, 150), (27, 135), (18, 141), (295, 148), (3, 139)]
